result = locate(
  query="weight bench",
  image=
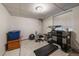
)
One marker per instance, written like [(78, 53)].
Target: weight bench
[(46, 50)]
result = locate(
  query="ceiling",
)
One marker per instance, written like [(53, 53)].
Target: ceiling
[(28, 9)]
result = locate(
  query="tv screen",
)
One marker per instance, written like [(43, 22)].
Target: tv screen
[(14, 35)]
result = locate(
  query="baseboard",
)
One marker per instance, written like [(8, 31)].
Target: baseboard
[(4, 53), (23, 39), (76, 50)]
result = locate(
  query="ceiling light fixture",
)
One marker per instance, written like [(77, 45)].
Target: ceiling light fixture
[(39, 8)]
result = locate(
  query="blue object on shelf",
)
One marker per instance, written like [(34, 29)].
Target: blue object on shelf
[(13, 35)]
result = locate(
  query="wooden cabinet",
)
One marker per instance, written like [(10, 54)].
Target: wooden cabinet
[(14, 44)]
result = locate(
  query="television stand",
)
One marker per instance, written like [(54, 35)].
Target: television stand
[(14, 44)]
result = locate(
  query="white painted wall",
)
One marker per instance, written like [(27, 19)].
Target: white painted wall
[(75, 16), (76, 20), (47, 22), (64, 19), (4, 16), (25, 25)]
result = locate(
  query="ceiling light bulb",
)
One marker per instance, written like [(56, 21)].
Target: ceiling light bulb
[(39, 8)]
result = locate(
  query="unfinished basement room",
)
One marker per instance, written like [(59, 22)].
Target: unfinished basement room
[(39, 29)]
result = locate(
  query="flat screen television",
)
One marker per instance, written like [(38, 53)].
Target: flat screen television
[(13, 35)]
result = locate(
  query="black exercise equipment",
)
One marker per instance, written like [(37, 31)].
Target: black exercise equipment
[(63, 39), (31, 36), (46, 50), (40, 38)]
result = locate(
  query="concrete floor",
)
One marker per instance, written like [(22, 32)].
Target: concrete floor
[(27, 48)]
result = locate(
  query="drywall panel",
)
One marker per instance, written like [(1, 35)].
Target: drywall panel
[(4, 16), (64, 19), (25, 25), (47, 22), (75, 16)]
